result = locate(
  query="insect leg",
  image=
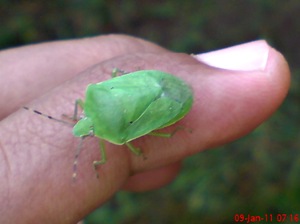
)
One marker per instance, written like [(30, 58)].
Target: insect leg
[(78, 103), (133, 149), (115, 72), (103, 156), (74, 117)]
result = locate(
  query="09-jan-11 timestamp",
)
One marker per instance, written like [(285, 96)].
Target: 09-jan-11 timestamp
[(266, 218)]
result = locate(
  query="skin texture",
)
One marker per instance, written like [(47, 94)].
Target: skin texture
[(36, 154)]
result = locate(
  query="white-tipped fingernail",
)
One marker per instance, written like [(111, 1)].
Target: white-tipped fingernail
[(245, 57)]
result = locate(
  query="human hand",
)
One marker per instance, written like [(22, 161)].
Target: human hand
[(36, 154)]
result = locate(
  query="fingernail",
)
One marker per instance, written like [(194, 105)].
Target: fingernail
[(245, 57)]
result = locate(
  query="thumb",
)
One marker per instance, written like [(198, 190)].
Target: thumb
[(246, 85), (253, 82)]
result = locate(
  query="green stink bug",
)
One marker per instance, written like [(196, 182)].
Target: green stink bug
[(127, 107)]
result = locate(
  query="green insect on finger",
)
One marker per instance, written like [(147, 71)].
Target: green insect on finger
[(127, 107)]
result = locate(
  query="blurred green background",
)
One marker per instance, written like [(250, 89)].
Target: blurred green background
[(256, 175)]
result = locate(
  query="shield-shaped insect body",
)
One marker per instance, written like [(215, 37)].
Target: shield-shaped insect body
[(127, 107)]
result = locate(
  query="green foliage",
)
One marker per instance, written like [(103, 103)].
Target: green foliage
[(255, 175)]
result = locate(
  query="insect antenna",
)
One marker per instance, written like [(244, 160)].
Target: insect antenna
[(48, 116), (78, 150)]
